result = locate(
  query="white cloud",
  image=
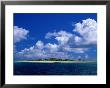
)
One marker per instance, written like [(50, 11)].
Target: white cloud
[(31, 48), (40, 44), (88, 30), (77, 39), (75, 50), (62, 36), (66, 42), (51, 47), (80, 50), (49, 35), (61, 55), (19, 34), (49, 51), (32, 53)]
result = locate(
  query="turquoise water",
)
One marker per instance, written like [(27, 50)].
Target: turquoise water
[(25, 68)]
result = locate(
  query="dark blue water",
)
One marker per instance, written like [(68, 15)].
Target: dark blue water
[(25, 68)]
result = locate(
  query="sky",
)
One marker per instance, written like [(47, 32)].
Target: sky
[(55, 35)]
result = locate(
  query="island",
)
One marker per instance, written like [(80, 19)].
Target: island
[(55, 60)]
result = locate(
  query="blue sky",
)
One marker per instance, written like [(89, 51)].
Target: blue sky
[(45, 35)]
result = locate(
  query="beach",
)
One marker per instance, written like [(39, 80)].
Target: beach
[(56, 61)]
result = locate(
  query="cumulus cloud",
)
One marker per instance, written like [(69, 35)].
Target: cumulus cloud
[(77, 39), (50, 34), (75, 50), (50, 50), (52, 47), (66, 42), (19, 34), (88, 30), (40, 44), (62, 36)]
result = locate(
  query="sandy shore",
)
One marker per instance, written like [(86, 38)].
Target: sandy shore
[(56, 61)]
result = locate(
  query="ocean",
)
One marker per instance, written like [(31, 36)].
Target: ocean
[(27, 68)]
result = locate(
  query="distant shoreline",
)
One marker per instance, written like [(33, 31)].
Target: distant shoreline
[(57, 61)]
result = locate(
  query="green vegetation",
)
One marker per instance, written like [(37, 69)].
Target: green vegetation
[(55, 60), (52, 59)]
